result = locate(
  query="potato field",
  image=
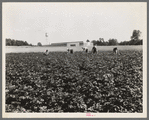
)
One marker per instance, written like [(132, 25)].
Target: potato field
[(78, 82)]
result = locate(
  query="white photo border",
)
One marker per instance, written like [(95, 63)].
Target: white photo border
[(80, 115)]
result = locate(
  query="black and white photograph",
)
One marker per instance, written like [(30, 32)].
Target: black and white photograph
[(74, 59)]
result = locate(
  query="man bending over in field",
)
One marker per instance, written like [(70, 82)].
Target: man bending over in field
[(46, 53), (115, 50), (67, 50), (85, 49), (94, 49)]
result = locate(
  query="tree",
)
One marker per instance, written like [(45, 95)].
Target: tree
[(100, 42), (135, 38), (94, 42), (124, 43), (8, 42), (101, 39), (25, 43), (113, 42), (12, 42), (39, 44), (136, 35)]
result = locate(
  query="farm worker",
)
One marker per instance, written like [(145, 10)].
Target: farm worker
[(46, 53), (115, 50), (68, 50), (85, 49), (94, 49), (71, 51)]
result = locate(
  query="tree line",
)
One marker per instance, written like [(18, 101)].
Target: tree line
[(12, 42), (101, 42), (115, 42), (134, 40)]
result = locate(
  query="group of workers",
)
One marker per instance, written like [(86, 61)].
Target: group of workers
[(85, 49)]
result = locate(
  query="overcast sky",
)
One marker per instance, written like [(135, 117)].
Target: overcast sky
[(72, 21)]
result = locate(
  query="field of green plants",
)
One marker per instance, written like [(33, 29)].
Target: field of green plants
[(79, 82)]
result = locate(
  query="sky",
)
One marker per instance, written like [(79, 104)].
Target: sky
[(66, 22)]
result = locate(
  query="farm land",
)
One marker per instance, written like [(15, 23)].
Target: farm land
[(28, 49), (79, 82)]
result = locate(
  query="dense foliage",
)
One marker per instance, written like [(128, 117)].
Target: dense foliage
[(101, 42), (39, 44), (79, 82), (132, 42), (136, 35), (12, 42), (115, 42), (135, 39)]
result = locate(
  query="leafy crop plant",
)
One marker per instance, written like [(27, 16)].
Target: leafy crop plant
[(79, 82)]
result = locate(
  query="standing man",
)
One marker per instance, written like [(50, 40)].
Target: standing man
[(94, 49)]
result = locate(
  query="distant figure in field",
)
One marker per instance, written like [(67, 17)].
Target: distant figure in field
[(69, 50), (94, 49), (46, 53), (85, 49), (115, 50)]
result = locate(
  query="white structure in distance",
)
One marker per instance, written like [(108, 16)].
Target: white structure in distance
[(79, 45)]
